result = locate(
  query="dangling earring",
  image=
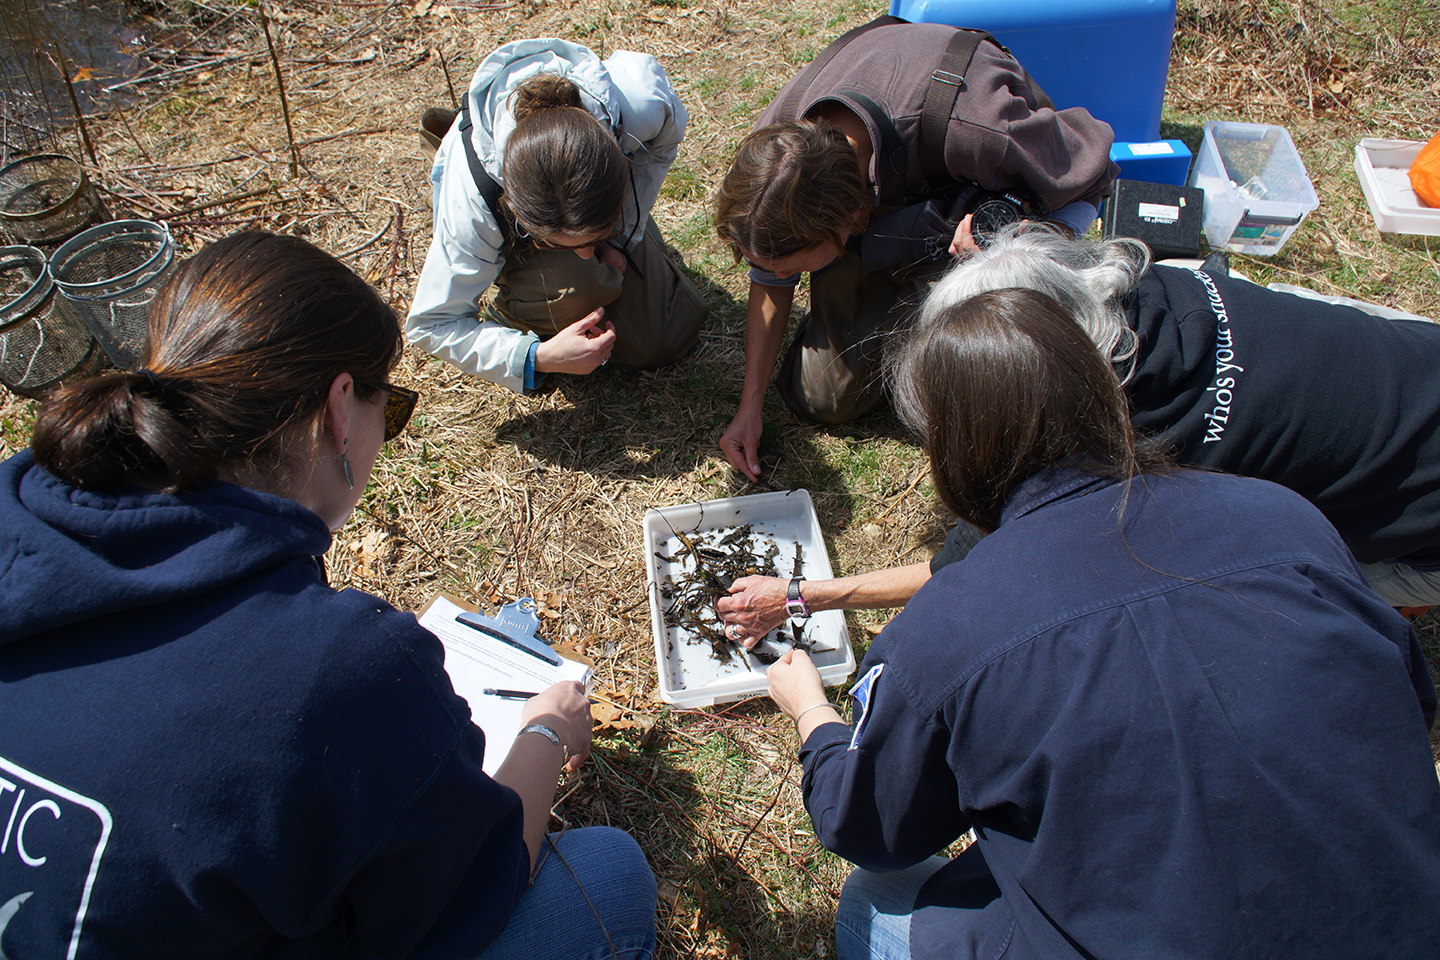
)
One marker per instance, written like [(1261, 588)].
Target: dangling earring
[(345, 464)]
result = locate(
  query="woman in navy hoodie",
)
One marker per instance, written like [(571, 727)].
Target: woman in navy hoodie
[(1176, 718), (204, 749)]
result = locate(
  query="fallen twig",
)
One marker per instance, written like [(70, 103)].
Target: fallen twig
[(395, 247), (247, 195), (175, 72), (922, 470), (354, 250), (357, 132), (280, 82)]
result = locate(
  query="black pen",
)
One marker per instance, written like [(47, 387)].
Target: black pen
[(509, 694)]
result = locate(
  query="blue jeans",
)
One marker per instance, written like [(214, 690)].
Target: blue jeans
[(609, 915), (873, 918)]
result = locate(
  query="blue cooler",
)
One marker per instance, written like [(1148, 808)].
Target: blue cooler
[(1109, 56), (1163, 161)]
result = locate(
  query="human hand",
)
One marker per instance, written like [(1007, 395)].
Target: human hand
[(579, 348), (610, 256), (795, 683), (741, 443), (964, 243), (755, 606), (564, 708)]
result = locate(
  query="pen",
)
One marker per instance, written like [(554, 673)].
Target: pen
[(508, 694)]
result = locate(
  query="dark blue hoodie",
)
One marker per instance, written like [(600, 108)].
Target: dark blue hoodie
[(1198, 736), (206, 751)]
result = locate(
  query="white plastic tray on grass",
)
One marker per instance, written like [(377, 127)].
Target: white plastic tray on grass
[(1383, 167), (690, 675)]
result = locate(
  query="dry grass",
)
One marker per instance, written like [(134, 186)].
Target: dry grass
[(493, 496)]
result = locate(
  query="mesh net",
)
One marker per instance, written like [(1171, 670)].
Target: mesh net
[(42, 341), (110, 273), (47, 199)]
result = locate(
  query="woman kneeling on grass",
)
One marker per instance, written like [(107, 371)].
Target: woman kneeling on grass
[(210, 752), (1175, 716)]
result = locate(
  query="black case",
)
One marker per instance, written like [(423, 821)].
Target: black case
[(1167, 217)]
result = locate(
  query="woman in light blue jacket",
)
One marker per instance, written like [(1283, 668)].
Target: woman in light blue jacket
[(543, 187)]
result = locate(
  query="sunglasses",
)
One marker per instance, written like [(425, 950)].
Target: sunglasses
[(399, 405), (549, 245)]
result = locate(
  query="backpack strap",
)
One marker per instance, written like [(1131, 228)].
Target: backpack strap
[(945, 85), (489, 189)]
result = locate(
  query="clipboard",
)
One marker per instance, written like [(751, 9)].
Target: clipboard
[(476, 661)]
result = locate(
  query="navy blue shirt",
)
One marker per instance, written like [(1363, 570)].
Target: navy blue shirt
[(1339, 405), (207, 752), (1199, 735)]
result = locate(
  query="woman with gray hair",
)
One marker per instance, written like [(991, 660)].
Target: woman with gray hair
[(1338, 404)]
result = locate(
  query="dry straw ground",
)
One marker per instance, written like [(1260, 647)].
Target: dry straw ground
[(492, 496)]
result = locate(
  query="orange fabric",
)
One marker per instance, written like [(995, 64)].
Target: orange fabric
[(1425, 173)]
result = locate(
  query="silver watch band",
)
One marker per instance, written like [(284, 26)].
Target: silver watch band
[(544, 731)]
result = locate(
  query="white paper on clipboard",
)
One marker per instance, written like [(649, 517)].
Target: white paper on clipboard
[(476, 661)]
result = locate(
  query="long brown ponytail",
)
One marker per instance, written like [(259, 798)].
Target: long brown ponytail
[(243, 343)]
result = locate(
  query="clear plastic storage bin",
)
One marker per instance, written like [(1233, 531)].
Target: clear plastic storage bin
[(1256, 188)]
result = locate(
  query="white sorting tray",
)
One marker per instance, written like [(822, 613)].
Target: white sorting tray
[(690, 676), (1383, 167)]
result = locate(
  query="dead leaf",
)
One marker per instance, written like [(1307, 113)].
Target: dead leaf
[(422, 7), (607, 716), (369, 544), (84, 73)]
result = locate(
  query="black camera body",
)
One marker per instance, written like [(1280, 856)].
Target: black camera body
[(992, 210), (923, 232)]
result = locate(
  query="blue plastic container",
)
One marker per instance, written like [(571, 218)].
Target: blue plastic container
[(1160, 161), (1111, 57)]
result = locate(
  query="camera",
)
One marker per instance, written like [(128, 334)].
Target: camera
[(996, 210), (991, 210), (922, 232)]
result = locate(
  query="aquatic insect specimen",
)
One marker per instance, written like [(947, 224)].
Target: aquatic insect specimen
[(715, 559)]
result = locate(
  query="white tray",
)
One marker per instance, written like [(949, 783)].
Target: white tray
[(690, 676), (1383, 167)]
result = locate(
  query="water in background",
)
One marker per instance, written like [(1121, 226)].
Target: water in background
[(89, 39)]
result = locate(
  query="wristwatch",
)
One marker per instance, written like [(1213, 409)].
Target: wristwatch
[(795, 607), (544, 731)]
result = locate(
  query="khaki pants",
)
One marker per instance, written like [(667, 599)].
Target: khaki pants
[(832, 372), (657, 311)]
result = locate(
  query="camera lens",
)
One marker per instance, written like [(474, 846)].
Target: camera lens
[(992, 214)]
